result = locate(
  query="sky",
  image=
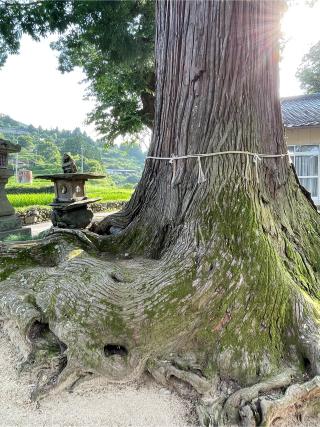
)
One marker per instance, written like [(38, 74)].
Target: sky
[(301, 30), (33, 91)]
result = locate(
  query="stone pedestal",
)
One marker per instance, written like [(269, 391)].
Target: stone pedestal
[(78, 217), (17, 232), (6, 208), (10, 224)]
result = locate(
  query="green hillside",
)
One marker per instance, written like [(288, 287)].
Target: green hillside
[(42, 151), (124, 163)]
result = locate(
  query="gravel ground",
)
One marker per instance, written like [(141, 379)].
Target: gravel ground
[(92, 403)]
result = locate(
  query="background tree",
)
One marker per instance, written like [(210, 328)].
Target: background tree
[(113, 42), (49, 151), (118, 60), (210, 285), (26, 142), (309, 70)]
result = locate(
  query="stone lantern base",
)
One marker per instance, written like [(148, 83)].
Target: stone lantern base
[(75, 217), (10, 224)]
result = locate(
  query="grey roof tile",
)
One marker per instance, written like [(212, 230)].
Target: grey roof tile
[(299, 111)]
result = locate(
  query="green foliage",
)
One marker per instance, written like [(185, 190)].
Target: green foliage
[(124, 157), (19, 238), (42, 149), (113, 42), (26, 141), (309, 70), (50, 152), (33, 18)]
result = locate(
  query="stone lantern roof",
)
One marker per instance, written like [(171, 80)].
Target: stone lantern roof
[(8, 147)]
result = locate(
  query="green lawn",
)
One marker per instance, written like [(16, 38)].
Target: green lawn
[(95, 189)]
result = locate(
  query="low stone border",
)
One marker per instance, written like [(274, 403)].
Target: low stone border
[(34, 215), (107, 206), (37, 215)]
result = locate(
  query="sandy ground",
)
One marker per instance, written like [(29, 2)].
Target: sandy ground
[(92, 403)]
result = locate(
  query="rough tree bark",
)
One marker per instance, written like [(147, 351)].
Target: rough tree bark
[(213, 287)]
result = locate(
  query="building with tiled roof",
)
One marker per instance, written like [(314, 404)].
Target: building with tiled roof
[(301, 111), (301, 119)]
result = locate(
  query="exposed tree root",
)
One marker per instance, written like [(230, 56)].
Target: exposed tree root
[(295, 401), (48, 376), (267, 403), (233, 409), (167, 375), (261, 404), (81, 305), (218, 404)]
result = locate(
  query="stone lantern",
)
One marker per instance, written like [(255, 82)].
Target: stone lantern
[(9, 222), (70, 206)]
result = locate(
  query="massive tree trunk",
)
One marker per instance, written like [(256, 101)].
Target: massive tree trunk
[(217, 90), (210, 285)]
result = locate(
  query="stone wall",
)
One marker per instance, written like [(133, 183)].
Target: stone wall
[(36, 215), (107, 206)]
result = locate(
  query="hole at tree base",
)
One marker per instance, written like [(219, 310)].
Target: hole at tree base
[(115, 349), (42, 337), (37, 330), (116, 277), (306, 365)]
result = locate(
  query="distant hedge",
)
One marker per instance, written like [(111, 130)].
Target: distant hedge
[(30, 190)]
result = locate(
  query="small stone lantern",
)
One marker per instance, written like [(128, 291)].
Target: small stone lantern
[(70, 206), (10, 224)]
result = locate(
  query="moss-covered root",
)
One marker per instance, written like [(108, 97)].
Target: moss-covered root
[(233, 410)]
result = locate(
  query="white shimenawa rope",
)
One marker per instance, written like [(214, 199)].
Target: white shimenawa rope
[(201, 176)]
